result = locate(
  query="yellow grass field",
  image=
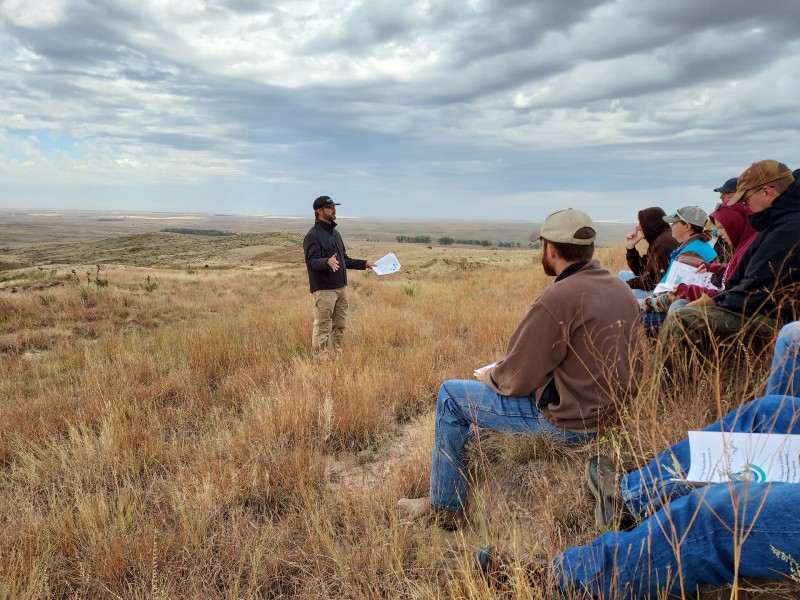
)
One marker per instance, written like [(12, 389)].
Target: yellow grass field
[(166, 432)]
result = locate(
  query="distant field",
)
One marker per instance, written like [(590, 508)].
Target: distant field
[(37, 237)]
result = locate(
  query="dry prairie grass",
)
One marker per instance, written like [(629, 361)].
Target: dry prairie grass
[(180, 440)]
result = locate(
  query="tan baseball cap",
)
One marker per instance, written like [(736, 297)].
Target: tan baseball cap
[(561, 227), (759, 173)]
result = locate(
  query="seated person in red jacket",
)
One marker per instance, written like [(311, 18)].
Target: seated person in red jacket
[(733, 224)]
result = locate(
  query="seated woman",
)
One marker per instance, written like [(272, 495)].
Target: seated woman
[(647, 270), (687, 226), (733, 224)]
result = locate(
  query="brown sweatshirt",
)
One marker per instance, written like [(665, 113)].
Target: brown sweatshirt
[(583, 332), (650, 268)]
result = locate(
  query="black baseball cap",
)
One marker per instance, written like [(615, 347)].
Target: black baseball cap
[(324, 202), (727, 187)]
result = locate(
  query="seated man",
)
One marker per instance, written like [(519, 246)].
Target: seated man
[(569, 361), (764, 292), (726, 191), (689, 536), (648, 269)]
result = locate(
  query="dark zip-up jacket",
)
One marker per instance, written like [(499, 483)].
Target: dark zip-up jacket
[(768, 279), (321, 242)]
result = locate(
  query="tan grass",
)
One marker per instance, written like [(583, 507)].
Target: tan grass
[(181, 440)]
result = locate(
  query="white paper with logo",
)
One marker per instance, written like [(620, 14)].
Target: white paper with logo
[(721, 457)]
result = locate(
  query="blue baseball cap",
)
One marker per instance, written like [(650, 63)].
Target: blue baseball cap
[(728, 187)]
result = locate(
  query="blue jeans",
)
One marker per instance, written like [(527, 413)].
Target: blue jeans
[(465, 405), (637, 293), (650, 488), (679, 303), (652, 322), (692, 536), (691, 543), (785, 377)]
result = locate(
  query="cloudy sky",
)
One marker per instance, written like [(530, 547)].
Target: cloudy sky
[(469, 109)]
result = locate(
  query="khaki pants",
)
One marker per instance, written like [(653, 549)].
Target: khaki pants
[(330, 319)]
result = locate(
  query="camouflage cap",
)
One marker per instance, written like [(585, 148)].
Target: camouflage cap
[(757, 174)]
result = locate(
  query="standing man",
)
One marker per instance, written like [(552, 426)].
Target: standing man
[(572, 358), (327, 263)]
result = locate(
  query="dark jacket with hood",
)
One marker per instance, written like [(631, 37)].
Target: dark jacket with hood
[(650, 268), (768, 281), (321, 242)]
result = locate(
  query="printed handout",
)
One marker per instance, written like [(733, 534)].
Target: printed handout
[(718, 456), (682, 273), (386, 265)]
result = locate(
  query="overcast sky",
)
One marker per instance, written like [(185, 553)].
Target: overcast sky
[(470, 109)]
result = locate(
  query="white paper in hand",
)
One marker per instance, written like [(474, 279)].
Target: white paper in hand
[(478, 373), (682, 273), (386, 265)]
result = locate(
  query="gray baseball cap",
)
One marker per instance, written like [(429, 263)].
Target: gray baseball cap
[(693, 215)]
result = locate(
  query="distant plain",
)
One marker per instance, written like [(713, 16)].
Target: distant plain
[(35, 237)]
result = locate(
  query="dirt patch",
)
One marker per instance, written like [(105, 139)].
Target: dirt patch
[(364, 471)]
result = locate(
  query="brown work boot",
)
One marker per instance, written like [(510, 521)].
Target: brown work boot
[(610, 511), (416, 509)]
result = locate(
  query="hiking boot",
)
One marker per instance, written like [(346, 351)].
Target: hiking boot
[(497, 568), (603, 482), (416, 509)]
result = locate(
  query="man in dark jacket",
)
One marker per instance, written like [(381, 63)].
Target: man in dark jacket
[(327, 263), (650, 268), (763, 292)]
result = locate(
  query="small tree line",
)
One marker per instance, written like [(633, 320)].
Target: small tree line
[(448, 241), (190, 231), (414, 239)]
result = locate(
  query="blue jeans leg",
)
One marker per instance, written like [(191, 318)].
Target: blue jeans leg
[(679, 303), (463, 405), (694, 541), (626, 275), (652, 322), (650, 488), (785, 376), (637, 293)]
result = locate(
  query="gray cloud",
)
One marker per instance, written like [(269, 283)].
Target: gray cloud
[(501, 104)]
